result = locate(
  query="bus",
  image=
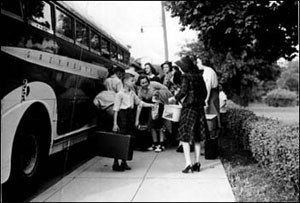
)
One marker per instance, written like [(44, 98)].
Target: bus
[(54, 61)]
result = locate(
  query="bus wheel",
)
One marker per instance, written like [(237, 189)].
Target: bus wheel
[(27, 159)]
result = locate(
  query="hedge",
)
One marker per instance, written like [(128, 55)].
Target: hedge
[(236, 124), (276, 147), (273, 144), (280, 97)]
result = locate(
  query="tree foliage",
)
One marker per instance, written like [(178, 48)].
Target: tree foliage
[(289, 78), (241, 39)]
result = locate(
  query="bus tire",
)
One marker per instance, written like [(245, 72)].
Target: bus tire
[(28, 157)]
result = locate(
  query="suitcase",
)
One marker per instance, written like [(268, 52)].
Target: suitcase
[(211, 148), (114, 145), (211, 120)]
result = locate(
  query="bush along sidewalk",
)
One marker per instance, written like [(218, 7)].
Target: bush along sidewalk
[(271, 145)]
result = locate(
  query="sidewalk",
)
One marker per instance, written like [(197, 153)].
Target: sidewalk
[(154, 177)]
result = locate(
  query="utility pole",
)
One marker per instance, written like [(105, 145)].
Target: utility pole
[(165, 31)]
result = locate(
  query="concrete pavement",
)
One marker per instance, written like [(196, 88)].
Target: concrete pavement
[(154, 177)]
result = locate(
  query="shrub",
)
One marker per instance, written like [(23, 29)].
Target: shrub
[(276, 147), (280, 97), (236, 123)]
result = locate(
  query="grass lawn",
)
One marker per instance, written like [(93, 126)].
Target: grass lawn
[(287, 115), (249, 181)]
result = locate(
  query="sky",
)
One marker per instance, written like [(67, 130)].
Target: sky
[(124, 19)]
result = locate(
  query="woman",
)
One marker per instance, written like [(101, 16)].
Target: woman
[(168, 74), (151, 72), (159, 95), (192, 124)]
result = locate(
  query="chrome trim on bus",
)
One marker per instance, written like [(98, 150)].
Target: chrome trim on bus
[(57, 62)]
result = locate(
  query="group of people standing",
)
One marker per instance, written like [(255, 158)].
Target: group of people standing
[(187, 82)]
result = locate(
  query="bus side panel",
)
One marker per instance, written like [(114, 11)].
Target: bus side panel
[(9, 124)]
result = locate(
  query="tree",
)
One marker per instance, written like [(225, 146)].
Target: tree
[(242, 40), (289, 78)]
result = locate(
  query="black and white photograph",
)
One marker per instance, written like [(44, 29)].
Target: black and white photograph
[(149, 101)]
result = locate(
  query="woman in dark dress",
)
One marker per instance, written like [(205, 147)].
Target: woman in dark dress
[(192, 124)]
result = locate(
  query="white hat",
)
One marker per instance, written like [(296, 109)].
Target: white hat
[(131, 71)]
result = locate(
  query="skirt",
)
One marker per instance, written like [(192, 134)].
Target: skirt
[(192, 124)]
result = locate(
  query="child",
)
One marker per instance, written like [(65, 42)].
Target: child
[(124, 113), (158, 96)]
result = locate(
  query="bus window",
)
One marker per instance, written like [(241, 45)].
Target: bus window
[(104, 46), (113, 52), (81, 34), (120, 56), (40, 12), (126, 58), (64, 24), (12, 5), (95, 42)]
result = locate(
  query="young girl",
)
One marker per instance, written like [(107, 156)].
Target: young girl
[(124, 113)]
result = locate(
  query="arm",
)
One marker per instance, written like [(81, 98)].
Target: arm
[(137, 117), (119, 85), (116, 108), (157, 85), (208, 88), (209, 79), (184, 89), (115, 126), (139, 102)]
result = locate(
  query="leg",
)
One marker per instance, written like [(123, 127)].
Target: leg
[(124, 165), (116, 166), (197, 165), (154, 136), (162, 138), (197, 148), (160, 146), (186, 150), (188, 164), (154, 139), (202, 148)]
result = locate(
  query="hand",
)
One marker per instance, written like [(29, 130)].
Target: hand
[(172, 100), (205, 109), (115, 128), (137, 123)]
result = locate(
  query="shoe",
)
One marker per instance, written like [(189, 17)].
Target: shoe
[(196, 166), (125, 166), (152, 148), (158, 148), (188, 169), (117, 168)]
